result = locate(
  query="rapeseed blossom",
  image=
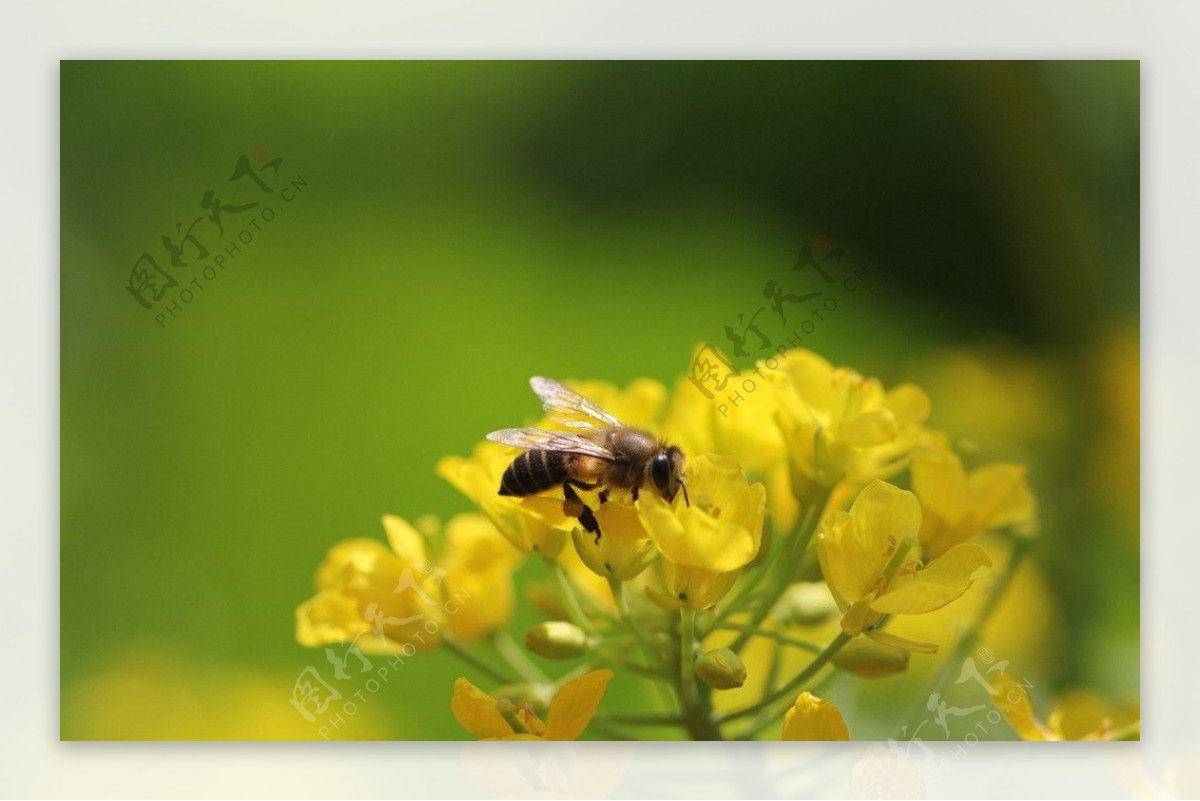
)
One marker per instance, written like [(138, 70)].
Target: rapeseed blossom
[(812, 518)]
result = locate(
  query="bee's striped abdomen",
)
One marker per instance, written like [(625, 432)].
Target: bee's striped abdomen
[(534, 471)]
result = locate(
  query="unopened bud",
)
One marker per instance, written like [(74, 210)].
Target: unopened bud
[(556, 639), (546, 600), (807, 603), (870, 659), (721, 669)]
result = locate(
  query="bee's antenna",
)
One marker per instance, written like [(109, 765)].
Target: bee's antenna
[(686, 500)]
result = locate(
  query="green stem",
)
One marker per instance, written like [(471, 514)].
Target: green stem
[(566, 594), (516, 659), (475, 662), (618, 593), (771, 634), (806, 675), (654, 657), (697, 713), (747, 587), (780, 577), (1020, 548)]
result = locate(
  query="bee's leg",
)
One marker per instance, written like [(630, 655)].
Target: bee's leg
[(635, 494), (583, 513), (603, 496)]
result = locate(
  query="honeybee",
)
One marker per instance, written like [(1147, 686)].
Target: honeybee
[(599, 453)]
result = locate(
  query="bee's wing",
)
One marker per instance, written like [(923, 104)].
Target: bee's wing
[(550, 441), (568, 408)]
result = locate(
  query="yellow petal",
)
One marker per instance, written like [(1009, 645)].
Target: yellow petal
[(908, 403), (813, 718), (1000, 495), (693, 538), (811, 380), (477, 712), (329, 617), (406, 542), (574, 704), (884, 514), (854, 548), (871, 428), (1013, 702), (695, 586), (610, 557), (622, 523), (941, 483), (365, 560), (944, 580)]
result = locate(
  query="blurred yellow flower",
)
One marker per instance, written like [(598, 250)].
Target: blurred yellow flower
[(813, 718), (478, 581), (864, 557), (703, 545), (985, 394), (1012, 699), (163, 690), (570, 711), (377, 597), (956, 506), (384, 600), (840, 426), (478, 477)]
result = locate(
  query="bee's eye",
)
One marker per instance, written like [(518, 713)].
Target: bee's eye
[(660, 472)]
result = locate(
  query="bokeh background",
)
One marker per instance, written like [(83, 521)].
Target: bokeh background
[(457, 227)]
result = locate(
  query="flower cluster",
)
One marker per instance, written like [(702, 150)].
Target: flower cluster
[(823, 503)]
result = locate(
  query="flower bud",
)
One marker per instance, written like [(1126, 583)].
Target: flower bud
[(545, 599), (806, 603), (870, 659), (721, 669), (556, 639)]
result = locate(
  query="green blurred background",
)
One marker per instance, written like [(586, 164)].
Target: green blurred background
[(462, 226)]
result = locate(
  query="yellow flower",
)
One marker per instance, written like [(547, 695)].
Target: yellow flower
[(570, 711), (385, 599), (864, 558), (986, 394), (382, 599), (624, 550), (956, 505), (479, 565), (746, 431), (841, 426), (705, 545), (1081, 716), (478, 477), (813, 718)]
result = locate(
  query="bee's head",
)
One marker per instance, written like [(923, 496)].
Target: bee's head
[(666, 472)]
